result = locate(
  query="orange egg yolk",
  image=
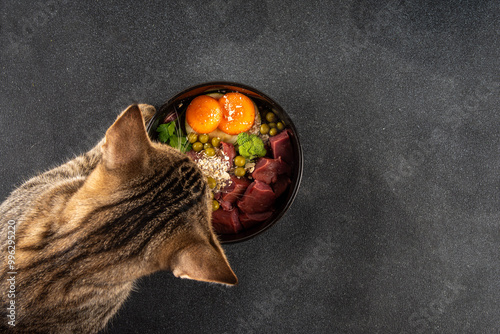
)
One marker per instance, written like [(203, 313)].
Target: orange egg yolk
[(203, 114), (238, 113)]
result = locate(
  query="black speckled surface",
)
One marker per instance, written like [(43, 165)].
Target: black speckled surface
[(396, 227)]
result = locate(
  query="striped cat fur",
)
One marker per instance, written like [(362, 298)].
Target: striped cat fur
[(86, 230)]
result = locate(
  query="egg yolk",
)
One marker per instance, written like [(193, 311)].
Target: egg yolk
[(203, 114), (238, 113)]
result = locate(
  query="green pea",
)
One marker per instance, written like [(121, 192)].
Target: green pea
[(210, 152), (272, 125), (270, 117), (280, 126), (197, 147), (273, 132), (215, 205), (203, 138), (264, 129), (193, 137), (207, 145), (240, 161), (240, 171), (211, 182), (215, 142)]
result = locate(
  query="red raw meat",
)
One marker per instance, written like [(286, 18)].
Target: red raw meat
[(193, 155), (281, 146), (259, 197), (281, 185), (233, 191), (227, 206), (267, 170), (218, 196), (226, 222), (250, 219), (229, 151)]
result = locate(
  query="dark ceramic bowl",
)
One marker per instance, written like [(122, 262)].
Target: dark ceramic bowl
[(173, 105)]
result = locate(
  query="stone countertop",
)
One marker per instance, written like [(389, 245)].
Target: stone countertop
[(396, 226)]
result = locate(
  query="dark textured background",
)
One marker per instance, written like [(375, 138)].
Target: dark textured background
[(395, 228)]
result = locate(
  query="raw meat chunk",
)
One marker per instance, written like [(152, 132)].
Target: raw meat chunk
[(226, 222), (282, 147), (259, 197), (267, 170)]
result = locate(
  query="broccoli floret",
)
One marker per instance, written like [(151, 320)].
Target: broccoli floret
[(250, 146)]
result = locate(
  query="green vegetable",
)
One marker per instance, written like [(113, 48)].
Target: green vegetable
[(180, 143), (167, 133), (197, 147), (270, 117), (193, 137), (240, 161), (210, 152), (211, 182), (203, 138), (239, 171), (215, 142), (264, 129), (273, 132), (250, 146)]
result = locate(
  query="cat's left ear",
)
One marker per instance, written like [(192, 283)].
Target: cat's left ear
[(203, 262), (126, 140)]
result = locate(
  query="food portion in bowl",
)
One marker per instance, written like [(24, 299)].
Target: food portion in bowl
[(243, 149)]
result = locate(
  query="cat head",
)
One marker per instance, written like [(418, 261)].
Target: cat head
[(159, 203)]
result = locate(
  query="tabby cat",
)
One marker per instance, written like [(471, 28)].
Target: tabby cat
[(85, 231)]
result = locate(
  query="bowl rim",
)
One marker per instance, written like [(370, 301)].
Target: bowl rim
[(234, 238)]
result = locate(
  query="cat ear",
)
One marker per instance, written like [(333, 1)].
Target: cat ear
[(203, 262), (148, 111), (126, 140)]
